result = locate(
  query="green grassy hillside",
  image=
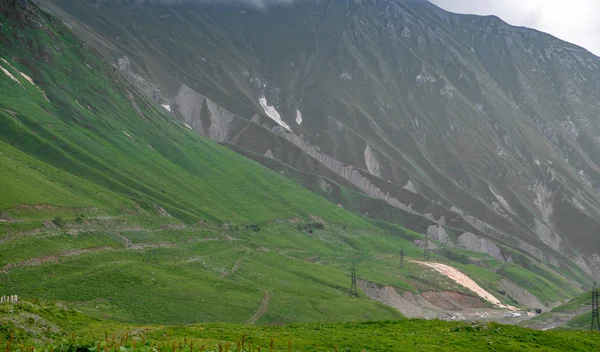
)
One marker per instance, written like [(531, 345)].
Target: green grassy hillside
[(111, 206), (573, 315), (108, 202)]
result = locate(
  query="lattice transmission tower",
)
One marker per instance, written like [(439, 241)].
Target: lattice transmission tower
[(595, 320), (353, 290), (402, 257)]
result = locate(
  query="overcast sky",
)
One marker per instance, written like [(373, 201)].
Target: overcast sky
[(576, 21)]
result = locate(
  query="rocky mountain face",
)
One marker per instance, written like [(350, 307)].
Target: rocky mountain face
[(482, 135)]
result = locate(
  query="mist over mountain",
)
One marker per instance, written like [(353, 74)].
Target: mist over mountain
[(256, 3)]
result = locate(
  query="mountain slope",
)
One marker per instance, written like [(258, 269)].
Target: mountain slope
[(459, 121), (114, 207), (573, 315)]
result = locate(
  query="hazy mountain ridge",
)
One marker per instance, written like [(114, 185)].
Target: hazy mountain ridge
[(484, 121)]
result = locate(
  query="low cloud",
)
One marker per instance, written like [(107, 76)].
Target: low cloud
[(261, 4), (577, 21)]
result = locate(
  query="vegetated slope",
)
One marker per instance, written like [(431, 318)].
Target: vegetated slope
[(573, 315), (394, 109), (28, 323), (112, 206), (109, 202)]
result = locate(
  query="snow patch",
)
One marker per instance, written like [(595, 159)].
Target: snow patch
[(543, 200), (188, 126), (406, 33), (166, 106), (372, 163), (502, 201), (345, 77), (272, 113), (410, 187), (30, 80), (578, 204), (9, 75), (425, 77), (127, 134), (546, 234), (298, 117), (585, 178)]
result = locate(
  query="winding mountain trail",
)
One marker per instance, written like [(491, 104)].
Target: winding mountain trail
[(262, 309), (463, 280)]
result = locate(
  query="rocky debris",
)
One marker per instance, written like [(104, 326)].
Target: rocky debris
[(162, 212), (593, 263), (324, 185), (452, 300), (438, 233), (205, 116), (124, 64), (445, 305), (135, 105), (502, 201), (412, 306), (475, 243), (466, 282), (371, 161), (523, 297)]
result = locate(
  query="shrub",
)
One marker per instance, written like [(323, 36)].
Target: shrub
[(310, 227), (58, 221), (253, 227)]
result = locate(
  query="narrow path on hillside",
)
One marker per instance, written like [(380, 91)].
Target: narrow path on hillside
[(54, 258), (236, 265), (465, 281), (262, 309), (77, 252)]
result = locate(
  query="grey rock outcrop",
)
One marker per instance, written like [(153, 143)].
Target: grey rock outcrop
[(475, 243)]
